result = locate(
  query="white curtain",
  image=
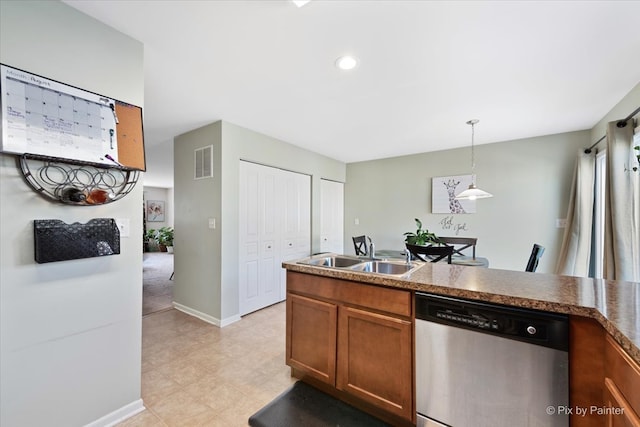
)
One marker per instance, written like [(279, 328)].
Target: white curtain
[(576, 244), (622, 207)]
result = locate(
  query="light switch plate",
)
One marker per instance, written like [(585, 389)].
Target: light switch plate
[(561, 222), (212, 223), (124, 226)]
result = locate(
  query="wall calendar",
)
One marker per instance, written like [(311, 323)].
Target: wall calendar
[(45, 117)]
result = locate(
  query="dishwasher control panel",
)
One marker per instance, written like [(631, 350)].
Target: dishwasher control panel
[(535, 327), (474, 320)]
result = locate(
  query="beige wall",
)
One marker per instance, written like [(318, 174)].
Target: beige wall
[(206, 260), (529, 178), (70, 331), (197, 248), (622, 109)]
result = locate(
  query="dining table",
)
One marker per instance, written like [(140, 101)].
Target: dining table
[(393, 254)]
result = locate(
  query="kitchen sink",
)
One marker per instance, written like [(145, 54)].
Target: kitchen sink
[(383, 267), (333, 261), (360, 264)]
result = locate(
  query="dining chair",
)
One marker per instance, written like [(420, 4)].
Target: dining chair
[(360, 245), (431, 253), (534, 258), (460, 244)]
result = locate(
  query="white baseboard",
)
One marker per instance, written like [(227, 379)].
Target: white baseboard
[(207, 318), (119, 415), (229, 320)]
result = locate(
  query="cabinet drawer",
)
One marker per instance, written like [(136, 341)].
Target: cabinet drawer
[(624, 373), (394, 301)]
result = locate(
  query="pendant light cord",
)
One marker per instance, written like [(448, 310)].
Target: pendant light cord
[(473, 154)]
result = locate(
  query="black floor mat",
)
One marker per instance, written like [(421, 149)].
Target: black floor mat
[(306, 406)]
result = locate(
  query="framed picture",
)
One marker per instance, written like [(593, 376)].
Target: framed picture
[(155, 210), (443, 193)]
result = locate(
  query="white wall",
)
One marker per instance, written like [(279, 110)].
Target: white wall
[(529, 178), (159, 194), (206, 260), (70, 331), (159, 161), (165, 195)]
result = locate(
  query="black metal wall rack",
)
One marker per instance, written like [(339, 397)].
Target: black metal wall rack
[(92, 183)]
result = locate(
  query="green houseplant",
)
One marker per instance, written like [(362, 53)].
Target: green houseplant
[(150, 239), (420, 237), (163, 238)]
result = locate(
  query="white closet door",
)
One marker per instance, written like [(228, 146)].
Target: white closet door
[(275, 224), (259, 279), (331, 216), (296, 221)]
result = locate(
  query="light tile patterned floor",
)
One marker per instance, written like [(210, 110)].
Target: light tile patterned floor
[(196, 374)]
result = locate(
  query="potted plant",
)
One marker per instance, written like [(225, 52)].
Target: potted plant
[(165, 238), (420, 237), (151, 243)]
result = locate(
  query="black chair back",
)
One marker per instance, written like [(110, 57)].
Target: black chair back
[(534, 258), (431, 253), (460, 244), (360, 245)]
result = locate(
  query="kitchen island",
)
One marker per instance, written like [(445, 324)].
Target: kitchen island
[(604, 346)]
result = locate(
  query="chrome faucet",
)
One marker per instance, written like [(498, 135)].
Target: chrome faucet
[(372, 248), (408, 254)]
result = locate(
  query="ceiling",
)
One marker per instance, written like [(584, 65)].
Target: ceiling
[(523, 68)]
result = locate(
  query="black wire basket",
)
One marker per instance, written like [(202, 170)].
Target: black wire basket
[(56, 240)]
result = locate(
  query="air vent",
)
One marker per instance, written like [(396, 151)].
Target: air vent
[(204, 162)]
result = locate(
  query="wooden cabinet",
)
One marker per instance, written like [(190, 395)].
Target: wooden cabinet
[(311, 337), (356, 338), (621, 387), (606, 389), (617, 410), (374, 359)]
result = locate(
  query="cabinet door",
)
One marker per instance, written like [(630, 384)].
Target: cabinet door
[(311, 337), (374, 359), (619, 412)]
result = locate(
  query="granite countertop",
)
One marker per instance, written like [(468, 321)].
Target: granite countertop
[(614, 304)]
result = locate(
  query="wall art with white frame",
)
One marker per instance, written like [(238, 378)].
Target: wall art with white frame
[(444, 190)]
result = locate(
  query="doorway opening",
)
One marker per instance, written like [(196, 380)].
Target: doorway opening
[(157, 282)]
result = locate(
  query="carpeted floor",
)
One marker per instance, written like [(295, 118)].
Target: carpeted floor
[(157, 289)]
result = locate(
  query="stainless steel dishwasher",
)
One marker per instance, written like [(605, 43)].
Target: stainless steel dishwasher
[(489, 365)]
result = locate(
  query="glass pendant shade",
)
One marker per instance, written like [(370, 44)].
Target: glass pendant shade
[(473, 192)]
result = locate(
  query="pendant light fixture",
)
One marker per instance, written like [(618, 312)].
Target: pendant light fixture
[(473, 192)]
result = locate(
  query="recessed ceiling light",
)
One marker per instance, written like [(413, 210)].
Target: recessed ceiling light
[(346, 62), (300, 3)]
